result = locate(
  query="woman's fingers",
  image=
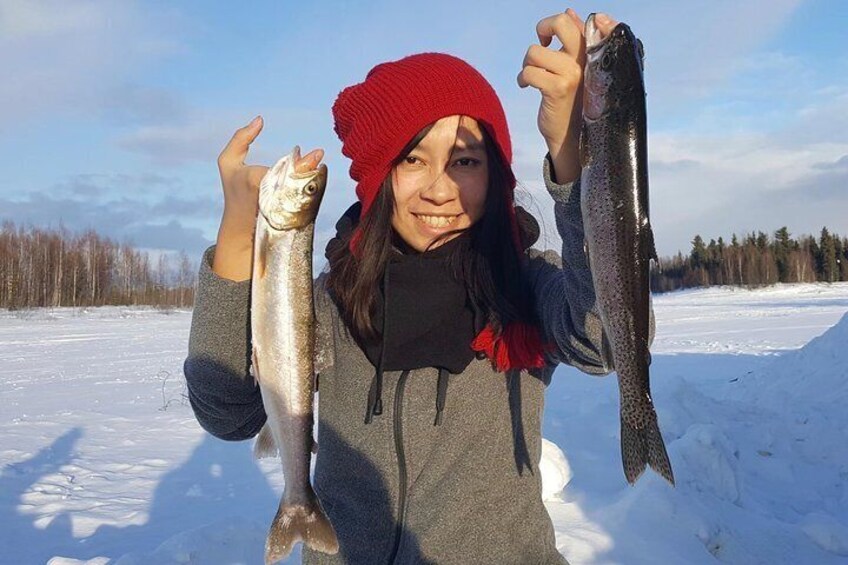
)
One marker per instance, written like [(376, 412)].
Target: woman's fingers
[(566, 27), (550, 72), (234, 154), (573, 15), (544, 58), (309, 162), (605, 24)]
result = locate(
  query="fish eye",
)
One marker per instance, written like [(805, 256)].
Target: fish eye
[(310, 188), (606, 61)]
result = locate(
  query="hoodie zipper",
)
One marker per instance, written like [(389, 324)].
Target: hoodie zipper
[(401, 457)]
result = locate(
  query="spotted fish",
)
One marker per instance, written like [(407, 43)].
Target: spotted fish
[(619, 240)]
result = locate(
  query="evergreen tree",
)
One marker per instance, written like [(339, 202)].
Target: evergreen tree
[(782, 247), (713, 263), (830, 268), (723, 266), (699, 253), (815, 253), (844, 260), (762, 241), (840, 257)]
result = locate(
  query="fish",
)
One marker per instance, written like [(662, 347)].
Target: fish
[(282, 320), (619, 239)]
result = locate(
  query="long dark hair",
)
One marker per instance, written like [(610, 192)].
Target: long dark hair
[(490, 264)]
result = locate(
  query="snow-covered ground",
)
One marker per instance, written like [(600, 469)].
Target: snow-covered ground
[(103, 462)]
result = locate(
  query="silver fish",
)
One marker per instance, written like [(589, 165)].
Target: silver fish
[(619, 240), (283, 333)]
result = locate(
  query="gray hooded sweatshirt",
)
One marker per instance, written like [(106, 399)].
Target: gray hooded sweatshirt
[(402, 490)]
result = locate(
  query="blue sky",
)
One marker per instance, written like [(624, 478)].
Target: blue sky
[(112, 114)]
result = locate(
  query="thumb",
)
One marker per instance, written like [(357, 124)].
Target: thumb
[(236, 150), (255, 174)]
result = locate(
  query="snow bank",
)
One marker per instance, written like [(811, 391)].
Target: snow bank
[(102, 461), (816, 374), (224, 541), (556, 472)]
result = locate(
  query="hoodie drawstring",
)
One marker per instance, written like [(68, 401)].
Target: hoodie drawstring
[(375, 392), (441, 394)]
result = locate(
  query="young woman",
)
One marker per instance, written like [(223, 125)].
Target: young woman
[(438, 329)]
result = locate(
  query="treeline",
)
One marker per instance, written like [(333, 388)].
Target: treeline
[(44, 267), (54, 268), (755, 260)]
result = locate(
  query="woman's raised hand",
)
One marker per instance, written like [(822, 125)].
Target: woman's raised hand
[(240, 183), (234, 248), (558, 75)]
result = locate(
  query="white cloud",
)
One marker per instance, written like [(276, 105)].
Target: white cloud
[(739, 183)]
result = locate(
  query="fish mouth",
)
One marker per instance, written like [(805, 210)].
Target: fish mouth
[(308, 165), (595, 40), (593, 35)]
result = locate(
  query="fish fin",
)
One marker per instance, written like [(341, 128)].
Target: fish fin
[(649, 247), (263, 254), (606, 352), (254, 364), (584, 147), (265, 445), (293, 523), (641, 447)]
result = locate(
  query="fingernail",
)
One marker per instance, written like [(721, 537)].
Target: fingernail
[(253, 122), (602, 19)]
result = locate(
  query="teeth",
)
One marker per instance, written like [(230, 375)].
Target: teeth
[(437, 221)]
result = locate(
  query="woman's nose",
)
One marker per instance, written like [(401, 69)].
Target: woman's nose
[(441, 190)]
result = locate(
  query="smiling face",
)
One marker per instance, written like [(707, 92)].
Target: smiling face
[(441, 185)]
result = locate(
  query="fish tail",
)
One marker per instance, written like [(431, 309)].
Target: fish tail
[(296, 522), (641, 447), (657, 455)]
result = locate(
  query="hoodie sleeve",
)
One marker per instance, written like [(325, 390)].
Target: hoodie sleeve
[(222, 392), (563, 287), (324, 344)]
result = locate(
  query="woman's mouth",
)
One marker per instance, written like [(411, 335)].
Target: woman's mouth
[(436, 222)]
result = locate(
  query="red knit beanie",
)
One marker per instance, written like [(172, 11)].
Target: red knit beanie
[(376, 118)]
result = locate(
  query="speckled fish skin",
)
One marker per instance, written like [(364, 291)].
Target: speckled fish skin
[(619, 241), (283, 334)]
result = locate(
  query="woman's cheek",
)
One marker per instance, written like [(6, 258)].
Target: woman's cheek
[(476, 202)]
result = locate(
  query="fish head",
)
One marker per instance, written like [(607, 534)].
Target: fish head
[(614, 70), (291, 191)]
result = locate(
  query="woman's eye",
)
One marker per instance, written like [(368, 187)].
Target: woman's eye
[(467, 162), (411, 160)]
